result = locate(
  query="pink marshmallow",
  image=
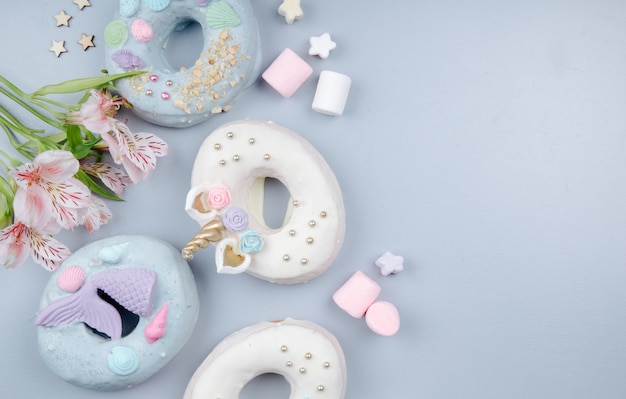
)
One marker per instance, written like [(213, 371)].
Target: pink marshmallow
[(287, 73), (383, 318), (357, 294)]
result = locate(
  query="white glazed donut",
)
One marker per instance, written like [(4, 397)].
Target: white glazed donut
[(227, 199), (308, 356), (229, 61), (116, 311)]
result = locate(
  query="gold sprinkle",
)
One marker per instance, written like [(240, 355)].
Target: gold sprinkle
[(326, 365), (169, 82), (308, 355), (292, 233), (289, 363), (323, 214), (148, 92), (312, 223), (251, 140), (235, 157), (283, 348), (304, 261), (302, 370), (266, 157), (309, 240), (217, 146), (222, 162), (285, 257), (320, 388), (230, 135)]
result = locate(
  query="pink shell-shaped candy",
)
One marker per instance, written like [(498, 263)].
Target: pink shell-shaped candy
[(71, 279), (141, 30), (156, 328)]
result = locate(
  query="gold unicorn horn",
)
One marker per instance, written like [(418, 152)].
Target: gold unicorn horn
[(210, 232)]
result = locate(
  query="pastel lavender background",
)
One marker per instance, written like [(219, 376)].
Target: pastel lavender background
[(484, 141)]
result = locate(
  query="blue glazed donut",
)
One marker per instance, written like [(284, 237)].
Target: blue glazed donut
[(230, 60)]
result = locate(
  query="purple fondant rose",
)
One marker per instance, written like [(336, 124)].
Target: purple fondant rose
[(235, 219)]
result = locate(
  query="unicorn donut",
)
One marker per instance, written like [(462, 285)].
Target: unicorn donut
[(226, 199), (308, 356), (229, 62), (116, 311)]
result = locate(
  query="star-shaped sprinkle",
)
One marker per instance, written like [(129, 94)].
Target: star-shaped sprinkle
[(58, 47), (82, 4), (291, 10), (321, 45), (63, 19), (86, 41), (390, 263)]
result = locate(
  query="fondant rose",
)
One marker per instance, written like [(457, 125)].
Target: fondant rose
[(235, 219), (218, 197), (250, 242)]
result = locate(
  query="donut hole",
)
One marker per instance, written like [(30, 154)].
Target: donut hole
[(266, 386), (184, 45), (129, 319), (270, 202)]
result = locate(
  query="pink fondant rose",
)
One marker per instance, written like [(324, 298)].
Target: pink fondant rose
[(218, 197)]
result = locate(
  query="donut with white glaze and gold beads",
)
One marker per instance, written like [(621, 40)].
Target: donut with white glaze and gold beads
[(309, 357), (227, 195), (137, 39)]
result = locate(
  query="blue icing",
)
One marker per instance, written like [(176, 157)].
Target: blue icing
[(122, 360), (128, 8), (112, 253)]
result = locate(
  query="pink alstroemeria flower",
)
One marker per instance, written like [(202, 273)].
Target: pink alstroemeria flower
[(18, 240), (97, 113), (137, 152), (97, 215), (114, 178), (48, 192)]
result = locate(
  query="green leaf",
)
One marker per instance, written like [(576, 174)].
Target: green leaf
[(82, 84), (95, 187)]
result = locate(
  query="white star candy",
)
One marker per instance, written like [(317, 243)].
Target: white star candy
[(291, 10), (58, 47), (321, 45), (390, 263)]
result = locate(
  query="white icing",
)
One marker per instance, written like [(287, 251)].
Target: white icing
[(81, 357), (239, 156), (308, 356)]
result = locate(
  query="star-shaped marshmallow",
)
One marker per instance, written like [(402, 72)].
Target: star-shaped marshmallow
[(82, 4), (63, 19), (291, 10), (390, 263), (86, 41), (321, 45), (58, 47)]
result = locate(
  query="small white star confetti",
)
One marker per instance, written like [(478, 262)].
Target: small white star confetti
[(321, 45), (291, 10), (82, 4), (390, 263), (86, 41), (58, 47), (63, 19)]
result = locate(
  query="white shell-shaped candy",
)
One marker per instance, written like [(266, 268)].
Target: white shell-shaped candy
[(113, 253)]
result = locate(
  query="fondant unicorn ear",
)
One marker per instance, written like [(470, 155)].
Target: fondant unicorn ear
[(196, 205), (228, 259)]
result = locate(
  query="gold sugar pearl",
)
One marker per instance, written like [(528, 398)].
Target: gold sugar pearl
[(222, 162), (251, 141), (292, 233), (266, 157), (235, 157), (312, 223), (217, 146), (320, 388), (285, 257), (169, 83), (230, 135), (295, 203), (283, 348), (308, 355), (289, 363), (323, 214), (304, 261), (309, 240), (302, 370), (148, 92), (326, 365)]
